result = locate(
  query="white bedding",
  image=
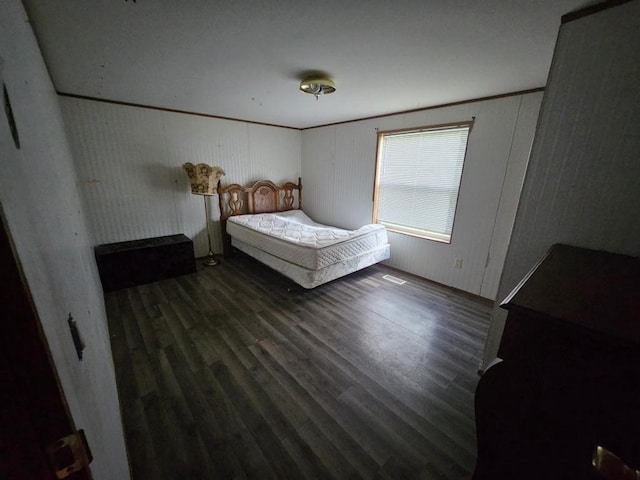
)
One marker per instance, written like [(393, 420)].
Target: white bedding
[(292, 236), (305, 251)]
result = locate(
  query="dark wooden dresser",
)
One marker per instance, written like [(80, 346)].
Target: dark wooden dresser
[(570, 376), (134, 262), (573, 305)]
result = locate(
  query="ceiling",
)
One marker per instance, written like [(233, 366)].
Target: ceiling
[(244, 59)]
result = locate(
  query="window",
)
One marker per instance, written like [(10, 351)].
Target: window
[(418, 176)]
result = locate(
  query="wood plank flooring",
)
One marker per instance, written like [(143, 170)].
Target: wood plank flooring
[(235, 372)]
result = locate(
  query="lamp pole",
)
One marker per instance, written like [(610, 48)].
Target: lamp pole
[(210, 261)]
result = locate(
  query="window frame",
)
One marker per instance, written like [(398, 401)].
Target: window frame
[(434, 236)]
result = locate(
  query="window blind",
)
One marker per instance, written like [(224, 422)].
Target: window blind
[(419, 179)]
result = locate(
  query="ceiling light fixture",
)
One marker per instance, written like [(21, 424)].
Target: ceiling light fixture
[(317, 86)]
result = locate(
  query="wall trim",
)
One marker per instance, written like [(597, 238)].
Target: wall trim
[(165, 109), (200, 114), (442, 105)]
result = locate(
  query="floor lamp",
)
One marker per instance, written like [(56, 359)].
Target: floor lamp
[(204, 181)]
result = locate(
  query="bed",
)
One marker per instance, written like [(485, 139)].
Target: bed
[(266, 221)]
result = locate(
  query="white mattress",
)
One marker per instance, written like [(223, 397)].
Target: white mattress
[(295, 238), (312, 278)]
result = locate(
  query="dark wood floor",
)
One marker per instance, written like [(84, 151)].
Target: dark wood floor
[(235, 372)]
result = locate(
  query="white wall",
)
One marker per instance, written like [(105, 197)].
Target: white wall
[(45, 217), (338, 166), (129, 162), (582, 184), (129, 167)]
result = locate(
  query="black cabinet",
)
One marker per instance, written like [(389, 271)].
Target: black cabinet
[(125, 264)]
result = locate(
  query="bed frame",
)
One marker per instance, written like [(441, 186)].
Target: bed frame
[(263, 196), (266, 197)]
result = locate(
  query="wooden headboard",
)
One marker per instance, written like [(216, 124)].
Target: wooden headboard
[(264, 196)]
